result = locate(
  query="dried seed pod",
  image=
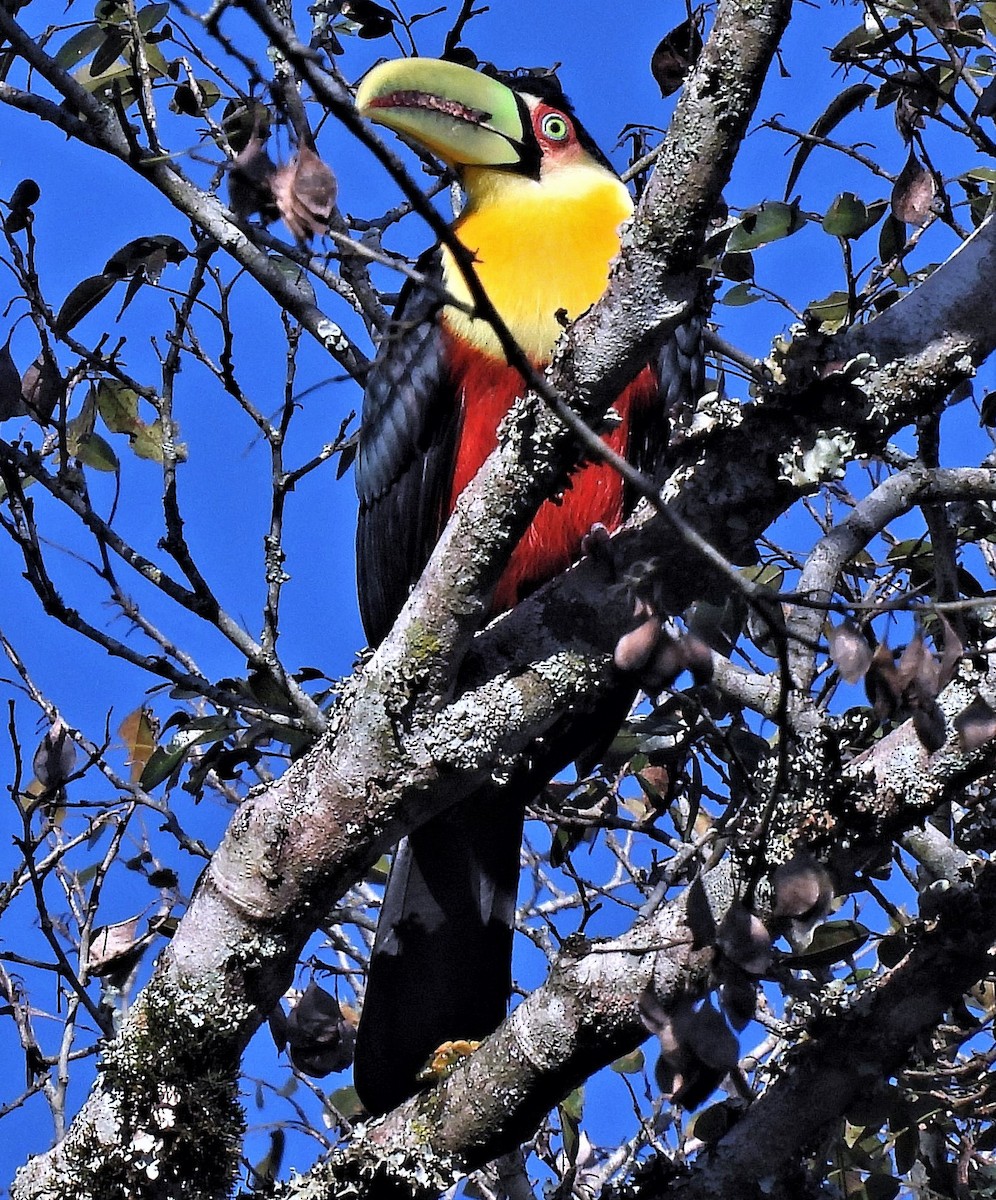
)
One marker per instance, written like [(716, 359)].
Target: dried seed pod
[(250, 181), (633, 650), (305, 190), (803, 888)]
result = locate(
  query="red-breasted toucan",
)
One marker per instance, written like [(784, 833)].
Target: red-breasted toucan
[(542, 220)]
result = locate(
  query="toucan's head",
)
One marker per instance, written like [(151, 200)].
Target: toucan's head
[(520, 123)]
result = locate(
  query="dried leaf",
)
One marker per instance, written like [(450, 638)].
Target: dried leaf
[(84, 297), (42, 387), (976, 725), (55, 758), (744, 940), (116, 947), (633, 650), (675, 55), (11, 399), (139, 733), (840, 106), (305, 190), (802, 888), (914, 193), (849, 651)]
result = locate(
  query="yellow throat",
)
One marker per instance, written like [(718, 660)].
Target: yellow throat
[(541, 246)]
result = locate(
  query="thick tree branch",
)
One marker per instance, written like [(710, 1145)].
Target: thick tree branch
[(872, 1040), (587, 1013)]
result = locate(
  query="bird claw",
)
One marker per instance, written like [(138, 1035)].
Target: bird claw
[(445, 1059)]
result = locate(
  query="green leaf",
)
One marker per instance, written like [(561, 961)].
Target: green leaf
[(296, 274), (118, 406), (164, 760), (831, 312), (862, 43), (150, 16), (93, 451), (767, 575), (148, 443), (629, 1064), (573, 1105), (832, 943), (903, 553), (110, 12), (767, 222), (893, 949), (849, 217), (346, 1102), (84, 297), (145, 254), (891, 239), (737, 268), (81, 45), (110, 51), (713, 1122), (739, 296)]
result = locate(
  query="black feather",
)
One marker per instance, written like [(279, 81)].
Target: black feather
[(404, 467)]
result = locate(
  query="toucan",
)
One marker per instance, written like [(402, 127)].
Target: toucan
[(542, 221)]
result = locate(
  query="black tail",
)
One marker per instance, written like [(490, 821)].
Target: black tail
[(441, 964)]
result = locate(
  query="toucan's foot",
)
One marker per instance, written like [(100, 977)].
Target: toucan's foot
[(595, 544), (445, 1059)]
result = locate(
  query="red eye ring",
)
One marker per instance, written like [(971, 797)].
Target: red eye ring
[(555, 127)]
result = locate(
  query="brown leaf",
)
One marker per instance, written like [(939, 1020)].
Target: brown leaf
[(55, 758), (675, 55), (744, 940), (250, 181), (914, 193), (633, 650), (305, 191), (113, 947), (42, 387), (976, 725), (849, 651), (139, 732), (11, 401), (803, 888)]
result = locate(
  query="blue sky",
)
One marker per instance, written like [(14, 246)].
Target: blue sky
[(91, 206)]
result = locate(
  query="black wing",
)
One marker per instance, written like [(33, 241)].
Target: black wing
[(679, 369), (404, 469)]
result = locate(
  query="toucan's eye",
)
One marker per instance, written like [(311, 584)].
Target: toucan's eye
[(555, 127)]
